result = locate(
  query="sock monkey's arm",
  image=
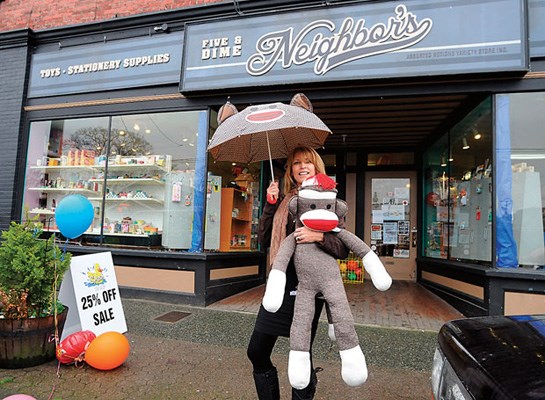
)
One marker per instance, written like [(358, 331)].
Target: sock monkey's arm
[(276, 284), (371, 263)]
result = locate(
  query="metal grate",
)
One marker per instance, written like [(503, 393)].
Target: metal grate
[(172, 316)]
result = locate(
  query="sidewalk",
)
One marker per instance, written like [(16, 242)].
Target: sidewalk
[(203, 356)]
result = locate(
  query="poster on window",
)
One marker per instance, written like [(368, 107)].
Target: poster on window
[(376, 232), (393, 212), (377, 217), (442, 213), (403, 241), (453, 235), (403, 227), (390, 233), (401, 253), (401, 193)]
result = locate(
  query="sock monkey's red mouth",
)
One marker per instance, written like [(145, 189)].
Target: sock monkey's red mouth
[(321, 225), (320, 220)]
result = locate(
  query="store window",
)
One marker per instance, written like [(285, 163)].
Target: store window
[(233, 205), (520, 166), (458, 191), (140, 173)]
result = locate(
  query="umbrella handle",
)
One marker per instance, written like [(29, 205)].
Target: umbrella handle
[(270, 156)]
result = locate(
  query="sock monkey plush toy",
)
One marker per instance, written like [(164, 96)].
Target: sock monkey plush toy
[(316, 206)]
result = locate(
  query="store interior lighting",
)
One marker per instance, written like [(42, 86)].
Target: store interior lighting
[(465, 145), (443, 161), (476, 134)]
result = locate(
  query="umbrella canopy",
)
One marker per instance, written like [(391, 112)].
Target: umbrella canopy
[(266, 131)]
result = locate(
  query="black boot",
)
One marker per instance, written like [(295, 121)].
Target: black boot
[(308, 392), (266, 384)]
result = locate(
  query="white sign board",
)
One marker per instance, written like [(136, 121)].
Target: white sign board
[(89, 290)]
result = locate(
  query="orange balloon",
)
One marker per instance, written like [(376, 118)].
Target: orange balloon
[(108, 351)]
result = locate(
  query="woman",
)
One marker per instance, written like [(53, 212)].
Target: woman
[(274, 226)]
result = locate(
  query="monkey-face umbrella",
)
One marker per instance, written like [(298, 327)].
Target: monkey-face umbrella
[(267, 131)]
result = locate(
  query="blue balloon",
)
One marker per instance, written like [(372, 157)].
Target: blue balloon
[(74, 214)]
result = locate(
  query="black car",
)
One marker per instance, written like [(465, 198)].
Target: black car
[(490, 358)]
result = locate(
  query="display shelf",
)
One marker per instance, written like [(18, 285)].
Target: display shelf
[(136, 184), (48, 168), (239, 248), (122, 239), (63, 190), (124, 167), (242, 219), (113, 199), (141, 235), (139, 181), (235, 230), (41, 211)]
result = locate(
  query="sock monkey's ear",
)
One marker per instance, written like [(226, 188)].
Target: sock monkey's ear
[(227, 110), (300, 100)]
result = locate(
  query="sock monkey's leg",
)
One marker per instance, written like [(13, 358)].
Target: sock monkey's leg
[(299, 365), (301, 326), (341, 317)]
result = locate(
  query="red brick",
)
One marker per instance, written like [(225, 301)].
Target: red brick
[(44, 14)]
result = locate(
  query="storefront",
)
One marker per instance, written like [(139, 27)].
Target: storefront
[(450, 197)]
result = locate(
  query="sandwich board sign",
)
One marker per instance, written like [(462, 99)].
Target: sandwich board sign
[(89, 290)]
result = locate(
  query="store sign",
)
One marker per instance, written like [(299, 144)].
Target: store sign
[(118, 64), (89, 289), (363, 41)]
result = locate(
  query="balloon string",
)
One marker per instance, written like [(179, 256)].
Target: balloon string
[(64, 249), (52, 392), (55, 314)]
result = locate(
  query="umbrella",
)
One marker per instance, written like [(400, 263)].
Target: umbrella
[(266, 131)]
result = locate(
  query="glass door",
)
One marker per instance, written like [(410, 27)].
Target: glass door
[(390, 220)]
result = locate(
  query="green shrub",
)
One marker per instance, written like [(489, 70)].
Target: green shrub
[(31, 270)]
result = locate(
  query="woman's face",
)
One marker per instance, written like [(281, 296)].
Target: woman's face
[(302, 168)]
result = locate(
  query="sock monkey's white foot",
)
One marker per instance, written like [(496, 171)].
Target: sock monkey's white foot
[(354, 367), (299, 369)]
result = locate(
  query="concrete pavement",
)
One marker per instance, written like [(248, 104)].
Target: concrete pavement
[(203, 356)]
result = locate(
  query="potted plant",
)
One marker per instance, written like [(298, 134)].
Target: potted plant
[(30, 315)]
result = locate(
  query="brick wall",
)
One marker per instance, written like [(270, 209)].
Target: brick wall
[(43, 14)]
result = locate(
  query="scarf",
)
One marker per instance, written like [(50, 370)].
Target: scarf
[(280, 221)]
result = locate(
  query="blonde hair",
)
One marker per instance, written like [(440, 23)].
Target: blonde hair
[(306, 152)]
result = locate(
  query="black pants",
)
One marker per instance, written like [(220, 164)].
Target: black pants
[(261, 345), (259, 351)]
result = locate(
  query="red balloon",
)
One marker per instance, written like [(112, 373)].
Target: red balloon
[(73, 347), (107, 351)]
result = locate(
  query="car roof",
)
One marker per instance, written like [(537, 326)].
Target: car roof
[(500, 357)]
